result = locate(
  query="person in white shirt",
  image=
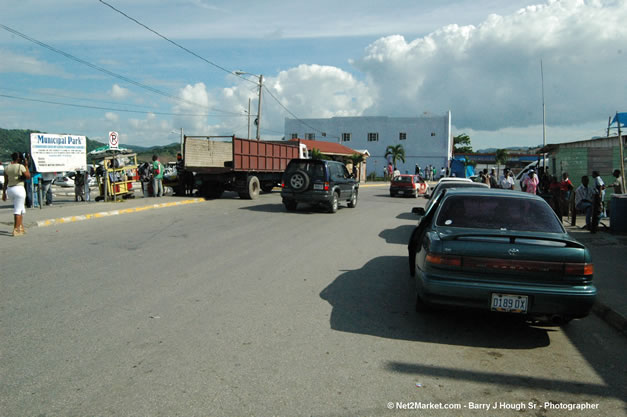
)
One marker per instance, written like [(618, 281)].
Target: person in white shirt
[(584, 196), (507, 180)]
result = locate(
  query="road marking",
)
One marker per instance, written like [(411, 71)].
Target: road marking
[(71, 219)]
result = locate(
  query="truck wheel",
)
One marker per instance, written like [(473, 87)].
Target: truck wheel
[(334, 203), (267, 187), (252, 188), (298, 181), (353, 201)]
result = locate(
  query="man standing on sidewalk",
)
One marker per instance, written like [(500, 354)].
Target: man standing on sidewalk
[(618, 184), (583, 199), (157, 177)]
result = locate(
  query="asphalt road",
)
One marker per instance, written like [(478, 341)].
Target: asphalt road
[(236, 308)]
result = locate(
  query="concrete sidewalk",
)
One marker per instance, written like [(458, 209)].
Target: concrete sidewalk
[(65, 210), (610, 275)]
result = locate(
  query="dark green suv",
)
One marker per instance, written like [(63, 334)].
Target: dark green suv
[(317, 181)]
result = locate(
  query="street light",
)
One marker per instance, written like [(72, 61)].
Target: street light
[(260, 77)]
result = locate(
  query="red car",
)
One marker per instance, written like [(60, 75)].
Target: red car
[(408, 185)]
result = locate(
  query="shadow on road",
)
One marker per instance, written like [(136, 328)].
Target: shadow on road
[(408, 216), (400, 235), (378, 300)]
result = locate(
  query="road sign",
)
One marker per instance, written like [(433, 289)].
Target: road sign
[(113, 140)]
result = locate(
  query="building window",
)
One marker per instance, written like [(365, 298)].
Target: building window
[(346, 137), (294, 135), (402, 136), (373, 137), (310, 136), (432, 133), (324, 134)]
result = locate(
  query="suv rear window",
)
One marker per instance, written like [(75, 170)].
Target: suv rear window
[(491, 212), (313, 168)]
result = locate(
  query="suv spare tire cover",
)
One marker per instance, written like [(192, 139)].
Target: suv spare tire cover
[(298, 180)]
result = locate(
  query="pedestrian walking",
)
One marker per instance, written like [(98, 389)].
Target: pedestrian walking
[(14, 176), (507, 181), (598, 210), (442, 172), (566, 188), (530, 185), (157, 177), (492, 177)]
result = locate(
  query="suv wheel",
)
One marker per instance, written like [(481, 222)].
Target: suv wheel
[(298, 181), (353, 201), (334, 203)]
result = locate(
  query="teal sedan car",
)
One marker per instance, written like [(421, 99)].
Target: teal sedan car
[(502, 251)]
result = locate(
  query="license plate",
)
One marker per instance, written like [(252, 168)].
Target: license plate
[(401, 192), (509, 303), (318, 187)]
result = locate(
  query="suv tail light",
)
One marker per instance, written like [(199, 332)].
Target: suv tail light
[(282, 184), (326, 186)]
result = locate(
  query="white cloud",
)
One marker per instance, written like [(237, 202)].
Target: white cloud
[(489, 75), (118, 92), (111, 117), (23, 64)]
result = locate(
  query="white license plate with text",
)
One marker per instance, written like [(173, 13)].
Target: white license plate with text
[(318, 187), (509, 303)]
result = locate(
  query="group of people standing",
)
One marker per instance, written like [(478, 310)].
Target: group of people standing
[(589, 197)]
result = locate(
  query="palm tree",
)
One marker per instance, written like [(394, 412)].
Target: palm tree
[(316, 154), (501, 157), (397, 152), (357, 159)]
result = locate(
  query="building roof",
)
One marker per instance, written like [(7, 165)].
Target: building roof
[(327, 148)]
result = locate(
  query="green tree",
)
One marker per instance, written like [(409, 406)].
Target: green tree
[(316, 154), (461, 144), (397, 152), (501, 157)]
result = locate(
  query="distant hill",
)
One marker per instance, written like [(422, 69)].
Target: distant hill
[(511, 149), (18, 140)]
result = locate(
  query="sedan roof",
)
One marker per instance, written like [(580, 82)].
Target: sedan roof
[(460, 179)]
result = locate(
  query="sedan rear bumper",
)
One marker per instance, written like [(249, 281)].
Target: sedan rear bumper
[(544, 300)]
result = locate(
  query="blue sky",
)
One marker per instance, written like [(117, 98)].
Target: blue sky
[(479, 59)]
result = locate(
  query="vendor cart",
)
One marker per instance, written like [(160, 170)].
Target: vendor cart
[(116, 175)]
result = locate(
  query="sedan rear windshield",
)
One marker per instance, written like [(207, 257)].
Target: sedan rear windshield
[(491, 212), (402, 179)]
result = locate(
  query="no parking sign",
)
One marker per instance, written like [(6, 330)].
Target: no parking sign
[(113, 140)]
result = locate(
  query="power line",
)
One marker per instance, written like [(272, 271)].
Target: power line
[(111, 109), (113, 74), (173, 42), (76, 98)]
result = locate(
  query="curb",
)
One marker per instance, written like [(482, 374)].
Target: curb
[(72, 219), (611, 317)]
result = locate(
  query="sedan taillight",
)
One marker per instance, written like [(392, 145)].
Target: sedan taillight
[(579, 269), (446, 260)]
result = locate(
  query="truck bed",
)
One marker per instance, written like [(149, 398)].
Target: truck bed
[(214, 154)]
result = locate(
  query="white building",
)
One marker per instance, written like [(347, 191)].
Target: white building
[(427, 139)]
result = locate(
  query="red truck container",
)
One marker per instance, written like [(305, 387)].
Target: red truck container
[(245, 166)]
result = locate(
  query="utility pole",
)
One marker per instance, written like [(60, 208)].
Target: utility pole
[(543, 116), (259, 105), (248, 137), (181, 141), (622, 153)]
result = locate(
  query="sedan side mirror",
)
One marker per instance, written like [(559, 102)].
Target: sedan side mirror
[(420, 211)]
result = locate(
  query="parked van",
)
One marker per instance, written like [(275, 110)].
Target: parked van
[(534, 166)]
